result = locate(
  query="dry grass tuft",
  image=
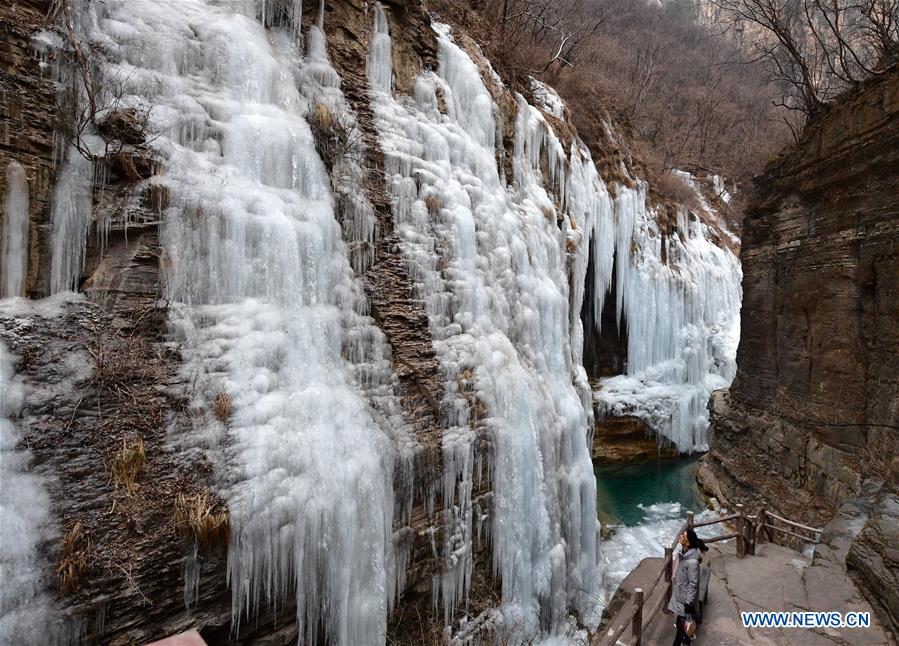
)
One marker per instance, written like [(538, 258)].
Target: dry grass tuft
[(128, 462), (222, 406), (72, 564), (433, 203), (322, 118), (201, 518)]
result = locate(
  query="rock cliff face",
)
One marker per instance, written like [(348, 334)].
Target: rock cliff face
[(27, 122), (817, 381), (814, 409)]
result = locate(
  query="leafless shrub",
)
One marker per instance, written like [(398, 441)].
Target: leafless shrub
[(322, 118), (818, 49), (650, 70), (433, 204), (879, 459)]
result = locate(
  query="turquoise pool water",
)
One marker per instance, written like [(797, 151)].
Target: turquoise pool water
[(641, 507), (625, 490)]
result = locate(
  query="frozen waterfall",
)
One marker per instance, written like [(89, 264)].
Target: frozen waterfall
[(25, 514), (679, 297), (491, 266), (70, 212), (264, 299), (262, 246)]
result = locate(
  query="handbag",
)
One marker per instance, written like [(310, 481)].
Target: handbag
[(690, 627)]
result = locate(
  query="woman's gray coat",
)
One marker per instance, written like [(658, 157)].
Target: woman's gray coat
[(686, 582)]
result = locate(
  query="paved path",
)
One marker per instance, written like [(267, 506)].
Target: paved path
[(776, 578)]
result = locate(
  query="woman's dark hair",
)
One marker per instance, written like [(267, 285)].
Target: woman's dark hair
[(695, 542)]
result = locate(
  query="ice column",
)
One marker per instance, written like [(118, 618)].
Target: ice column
[(679, 296), (24, 524), (490, 265), (70, 211), (15, 232)]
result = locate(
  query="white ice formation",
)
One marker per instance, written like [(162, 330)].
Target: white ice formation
[(265, 301), (679, 297), (492, 267), (14, 258), (24, 523), (268, 308)]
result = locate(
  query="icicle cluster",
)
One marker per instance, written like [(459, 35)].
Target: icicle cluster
[(680, 299), (264, 299), (490, 264), (71, 214), (260, 246)]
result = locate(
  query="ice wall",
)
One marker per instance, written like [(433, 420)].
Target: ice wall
[(24, 524), (14, 261), (679, 296), (265, 304), (267, 309), (490, 263)]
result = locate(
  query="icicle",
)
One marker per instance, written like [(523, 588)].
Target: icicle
[(70, 211), (265, 304), (14, 264), (380, 58), (682, 319)]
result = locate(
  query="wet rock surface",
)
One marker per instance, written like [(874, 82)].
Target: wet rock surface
[(624, 438)]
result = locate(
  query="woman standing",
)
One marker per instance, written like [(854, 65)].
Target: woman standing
[(685, 588)]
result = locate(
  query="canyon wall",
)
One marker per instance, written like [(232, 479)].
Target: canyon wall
[(817, 383), (812, 418)]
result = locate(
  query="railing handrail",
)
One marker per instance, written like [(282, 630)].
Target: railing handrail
[(814, 530), (749, 530)]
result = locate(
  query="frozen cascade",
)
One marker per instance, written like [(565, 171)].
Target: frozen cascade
[(681, 305), (70, 212), (263, 295), (490, 264), (14, 262), (24, 524)]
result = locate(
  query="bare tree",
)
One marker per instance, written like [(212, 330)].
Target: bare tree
[(557, 27), (817, 49)]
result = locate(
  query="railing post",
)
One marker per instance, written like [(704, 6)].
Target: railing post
[(689, 520), (741, 537), (760, 527), (669, 571), (637, 625)]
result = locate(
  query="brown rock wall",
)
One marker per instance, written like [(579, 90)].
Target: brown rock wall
[(817, 375), (27, 123)]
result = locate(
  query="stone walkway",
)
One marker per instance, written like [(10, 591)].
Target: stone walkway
[(776, 578)]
